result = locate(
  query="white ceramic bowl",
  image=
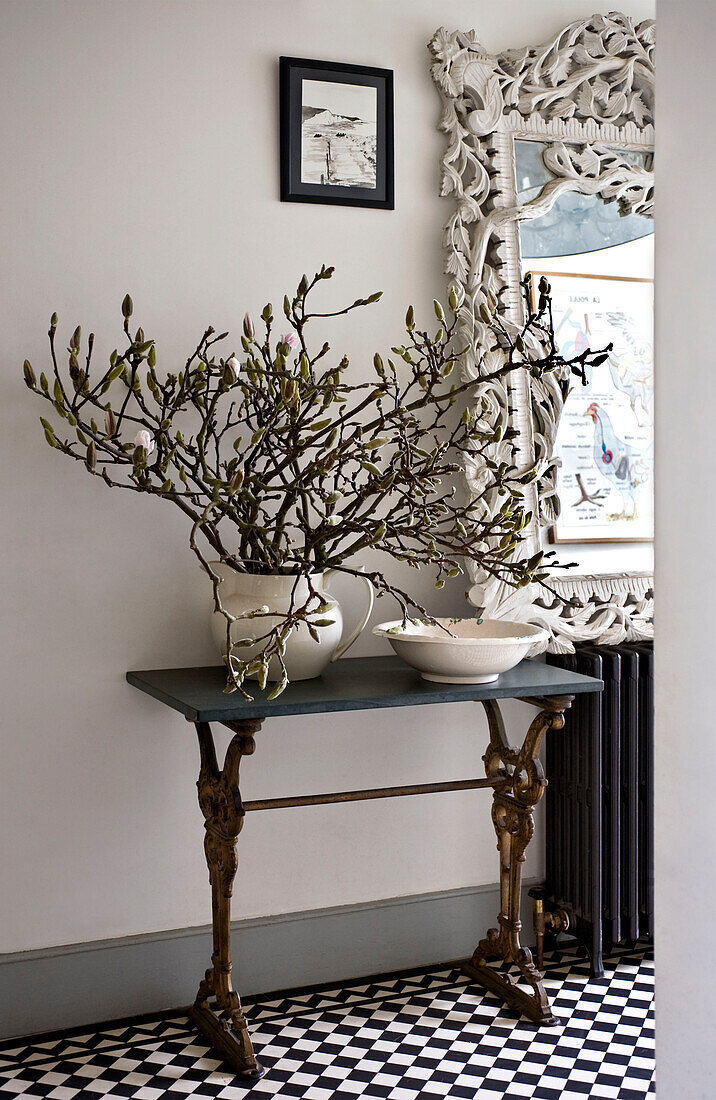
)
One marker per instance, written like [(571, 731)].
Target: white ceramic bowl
[(475, 651)]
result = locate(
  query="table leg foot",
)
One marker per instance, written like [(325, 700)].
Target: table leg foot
[(519, 785), (232, 1043), (534, 1006)]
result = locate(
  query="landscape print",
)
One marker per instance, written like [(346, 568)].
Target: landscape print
[(339, 131)]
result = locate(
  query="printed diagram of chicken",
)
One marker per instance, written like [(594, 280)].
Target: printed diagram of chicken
[(631, 366), (631, 363), (623, 466), (605, 436)]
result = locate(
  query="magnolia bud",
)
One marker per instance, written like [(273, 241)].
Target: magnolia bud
[(29, 374)]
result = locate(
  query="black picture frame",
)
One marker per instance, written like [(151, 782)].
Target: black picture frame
[(292, 72)]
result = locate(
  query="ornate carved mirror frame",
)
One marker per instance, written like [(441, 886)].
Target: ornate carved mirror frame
[(588, 95)]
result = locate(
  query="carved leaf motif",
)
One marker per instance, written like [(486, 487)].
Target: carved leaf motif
[(558, 160), (581, 55), (449, 120), (491, 361), (445, 48), (588, 162), (479, 186), (462, 236), (601, 89), (455, 72), (616, 43), (468, 210), (457, 265), (616, 105), (593, 43), (647, 32), (637, 109), (559, 69), (562, 108), (448, 184), (585, 101)]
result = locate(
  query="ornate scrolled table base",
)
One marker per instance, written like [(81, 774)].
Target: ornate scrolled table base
[(518, 782), (217, 1011)]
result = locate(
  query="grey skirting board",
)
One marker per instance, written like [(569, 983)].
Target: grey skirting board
[(86, 983)]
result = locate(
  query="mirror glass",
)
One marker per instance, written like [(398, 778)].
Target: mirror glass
[(600, 267), (576, 223)]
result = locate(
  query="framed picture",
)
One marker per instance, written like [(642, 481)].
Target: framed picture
[(605, 438), (336, 133)]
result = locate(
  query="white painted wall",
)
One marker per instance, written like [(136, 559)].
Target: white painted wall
[(685, 540), (140, 153)]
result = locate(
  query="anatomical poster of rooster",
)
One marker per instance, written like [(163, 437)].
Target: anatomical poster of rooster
[(605, 439)]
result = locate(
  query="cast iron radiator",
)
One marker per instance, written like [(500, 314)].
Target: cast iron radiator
[(599, 802)]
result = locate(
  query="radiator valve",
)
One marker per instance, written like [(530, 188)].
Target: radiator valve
[(545, 920)]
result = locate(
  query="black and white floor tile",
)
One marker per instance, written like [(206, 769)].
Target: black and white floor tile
[(398, 1037)]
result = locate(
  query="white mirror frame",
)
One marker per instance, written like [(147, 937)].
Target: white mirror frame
[(587, 94)]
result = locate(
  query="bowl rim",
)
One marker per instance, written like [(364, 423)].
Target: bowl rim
[(534, 634)]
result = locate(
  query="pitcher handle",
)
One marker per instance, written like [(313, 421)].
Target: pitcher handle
[(345, 645)]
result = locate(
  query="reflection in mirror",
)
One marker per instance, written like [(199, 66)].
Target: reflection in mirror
[(576, 223), (600, 266)]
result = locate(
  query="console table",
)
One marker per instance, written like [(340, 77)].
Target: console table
[(374, 683)]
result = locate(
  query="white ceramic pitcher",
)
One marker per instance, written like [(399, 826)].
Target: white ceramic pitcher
[(305, 657)]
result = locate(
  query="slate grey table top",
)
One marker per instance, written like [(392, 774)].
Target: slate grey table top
[(353, 683)]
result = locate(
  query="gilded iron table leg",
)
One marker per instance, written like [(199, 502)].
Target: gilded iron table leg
[(519, 783), (217, 1011)]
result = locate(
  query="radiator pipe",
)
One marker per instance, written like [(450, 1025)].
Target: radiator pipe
[(556, 920)]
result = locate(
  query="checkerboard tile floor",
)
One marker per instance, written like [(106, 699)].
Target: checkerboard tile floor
[(398, 1037)]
